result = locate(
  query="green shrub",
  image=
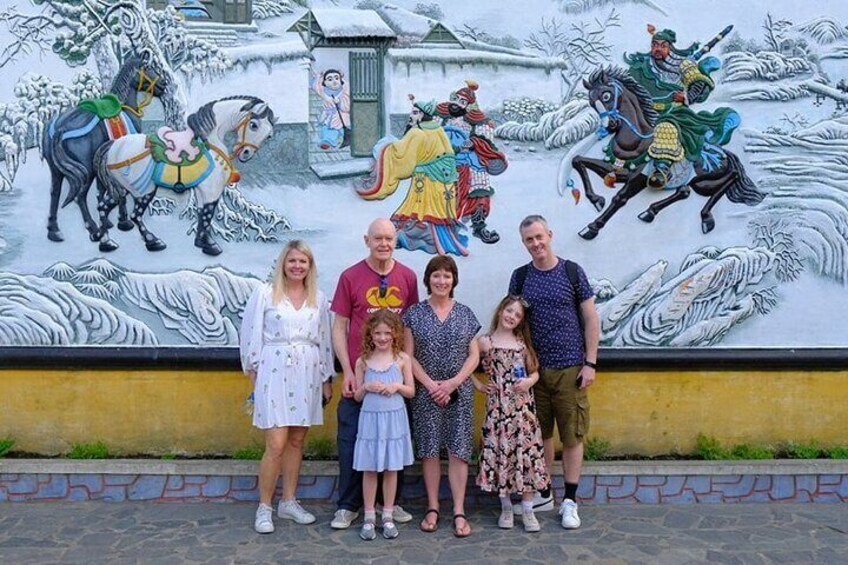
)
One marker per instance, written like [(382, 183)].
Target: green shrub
[(6, 444), (168, 456), (320, 448), (252, 453), (710, 449), (596, 449), (745, 451), (839, 452), (96, 450), (803, 450)]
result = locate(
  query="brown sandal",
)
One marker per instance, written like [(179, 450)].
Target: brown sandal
[(456, 531), (425, 526)]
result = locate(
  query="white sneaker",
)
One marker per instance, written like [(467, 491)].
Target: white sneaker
[(390, 531), (368, 531), (263, 523), (343, 519), (531, 524), (399, 515), (292, 510), (506, 520), (568, 511), (540, 504)]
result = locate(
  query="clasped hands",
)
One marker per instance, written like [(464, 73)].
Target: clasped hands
[(382, 388), (440, 391)]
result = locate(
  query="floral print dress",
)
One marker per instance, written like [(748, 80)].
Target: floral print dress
[(512, 460)]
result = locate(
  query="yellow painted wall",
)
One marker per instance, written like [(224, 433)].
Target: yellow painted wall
[(198, 412)]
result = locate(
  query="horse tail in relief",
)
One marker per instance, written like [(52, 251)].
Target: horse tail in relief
[(742, 190), (70, 167)]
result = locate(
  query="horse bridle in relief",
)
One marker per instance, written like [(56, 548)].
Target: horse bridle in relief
[(241, 132), (143, 77), (614, 113)]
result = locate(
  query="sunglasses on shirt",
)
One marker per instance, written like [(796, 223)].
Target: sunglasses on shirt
[(384, 285)]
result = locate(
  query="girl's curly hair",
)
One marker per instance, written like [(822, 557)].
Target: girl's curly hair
[(382, 316)]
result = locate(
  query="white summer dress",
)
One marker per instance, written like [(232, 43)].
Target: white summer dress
[(292, 354)]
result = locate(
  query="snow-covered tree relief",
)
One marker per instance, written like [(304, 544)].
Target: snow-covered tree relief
[(786, 63), (108, 30), (110, 33), (582, 6), (583, 46), (806, 175)]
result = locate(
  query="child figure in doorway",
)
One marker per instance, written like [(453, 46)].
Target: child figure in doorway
[(335, 115)]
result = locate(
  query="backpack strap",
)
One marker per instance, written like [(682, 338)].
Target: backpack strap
[(571, 269), (520, 277)]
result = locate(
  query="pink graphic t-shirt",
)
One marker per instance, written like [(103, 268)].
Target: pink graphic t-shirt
[(358, 295)]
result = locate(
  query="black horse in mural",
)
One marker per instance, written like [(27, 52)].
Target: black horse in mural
[(627, 113), (71, 139)]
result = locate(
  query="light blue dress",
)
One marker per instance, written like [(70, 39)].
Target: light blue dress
[(383, 440)]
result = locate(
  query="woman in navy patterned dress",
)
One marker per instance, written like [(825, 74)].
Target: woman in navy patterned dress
[(440, 338)]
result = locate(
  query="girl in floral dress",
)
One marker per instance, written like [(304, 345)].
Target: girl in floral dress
[(512, 460)]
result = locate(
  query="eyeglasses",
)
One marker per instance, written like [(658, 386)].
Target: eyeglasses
[(520, 300), (384, 285)]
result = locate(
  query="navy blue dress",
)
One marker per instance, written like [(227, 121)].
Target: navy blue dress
[(441, 348)]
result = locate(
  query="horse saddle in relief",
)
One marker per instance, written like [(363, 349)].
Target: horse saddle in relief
[(182, 159)]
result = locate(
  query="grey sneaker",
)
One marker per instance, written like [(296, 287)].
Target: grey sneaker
[(568, 511), (390, 531), (506, 520), (263, 524), (540, 504), (399, 515), (368, 531), (292, 510), (531, 524), (343, 519)]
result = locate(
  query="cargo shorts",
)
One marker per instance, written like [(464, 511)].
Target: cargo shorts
[(558, 400)]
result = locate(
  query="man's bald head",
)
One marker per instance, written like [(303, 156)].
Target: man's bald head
[(381, 239), (380, 225)]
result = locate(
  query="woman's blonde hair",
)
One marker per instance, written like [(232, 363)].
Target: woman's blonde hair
[(279, 282), (521, 331), (382, 316)]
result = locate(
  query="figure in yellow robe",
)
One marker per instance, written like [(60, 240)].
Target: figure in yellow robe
[(427, 217)]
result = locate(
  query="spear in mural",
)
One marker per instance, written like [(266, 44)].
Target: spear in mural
[(711, 43)]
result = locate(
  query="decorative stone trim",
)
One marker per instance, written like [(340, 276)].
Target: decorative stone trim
[(623, 482)]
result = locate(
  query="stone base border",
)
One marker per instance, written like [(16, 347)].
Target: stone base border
[(617, 482)]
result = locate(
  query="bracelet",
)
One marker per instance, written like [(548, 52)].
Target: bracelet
[(590, 364)]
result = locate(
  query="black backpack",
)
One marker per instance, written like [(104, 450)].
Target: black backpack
[(570, 270)]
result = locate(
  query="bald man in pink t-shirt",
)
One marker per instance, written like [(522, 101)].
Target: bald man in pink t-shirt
[(378, 281)]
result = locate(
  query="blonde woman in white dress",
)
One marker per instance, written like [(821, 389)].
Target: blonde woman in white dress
[(286, 350)]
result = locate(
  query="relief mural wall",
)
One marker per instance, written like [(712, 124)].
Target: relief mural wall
[(691, 159)]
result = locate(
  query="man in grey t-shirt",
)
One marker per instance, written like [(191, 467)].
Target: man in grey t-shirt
[(564, 327)]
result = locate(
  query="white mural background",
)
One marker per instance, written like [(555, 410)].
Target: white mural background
[(773, 275)]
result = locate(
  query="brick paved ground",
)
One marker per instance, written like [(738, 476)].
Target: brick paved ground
[(149, 532)]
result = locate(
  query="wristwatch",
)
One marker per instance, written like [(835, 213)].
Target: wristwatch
[(590, 364)]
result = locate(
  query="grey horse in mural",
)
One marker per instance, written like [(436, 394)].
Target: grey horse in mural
[(71, 139)]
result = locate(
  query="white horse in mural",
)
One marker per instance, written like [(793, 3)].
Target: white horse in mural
[(194, 159)]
